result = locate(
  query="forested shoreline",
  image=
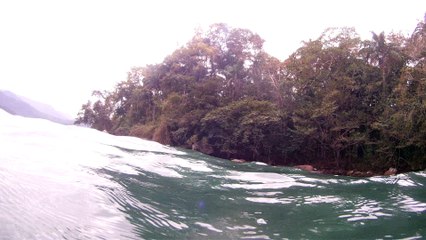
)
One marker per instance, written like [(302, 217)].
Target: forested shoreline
[(338, 102)]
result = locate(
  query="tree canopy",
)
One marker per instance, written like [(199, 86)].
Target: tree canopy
[(336, 102)]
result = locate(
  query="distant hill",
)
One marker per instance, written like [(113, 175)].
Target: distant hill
[(25, 107)]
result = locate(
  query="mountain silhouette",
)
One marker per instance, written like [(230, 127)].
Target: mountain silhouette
[(22, 106)]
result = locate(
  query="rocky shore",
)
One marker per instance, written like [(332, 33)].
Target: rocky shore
[(351, 173)]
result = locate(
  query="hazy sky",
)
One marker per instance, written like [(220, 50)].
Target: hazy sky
[(58, 51)]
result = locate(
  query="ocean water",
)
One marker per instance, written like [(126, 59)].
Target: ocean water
[(69, 182)]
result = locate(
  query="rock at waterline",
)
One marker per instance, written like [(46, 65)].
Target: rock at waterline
[(239, 160), (306, 167), (390, 171)]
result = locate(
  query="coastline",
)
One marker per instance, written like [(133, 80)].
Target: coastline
[(330, 171)]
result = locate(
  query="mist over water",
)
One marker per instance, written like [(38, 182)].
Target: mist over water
[(76, 183)]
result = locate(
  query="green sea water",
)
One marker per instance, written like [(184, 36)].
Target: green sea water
[(68, 182)]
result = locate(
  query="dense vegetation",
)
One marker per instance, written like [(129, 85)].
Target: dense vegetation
[(337, 102)]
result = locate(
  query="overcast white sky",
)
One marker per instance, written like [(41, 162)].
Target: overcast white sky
[(58, 52)]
